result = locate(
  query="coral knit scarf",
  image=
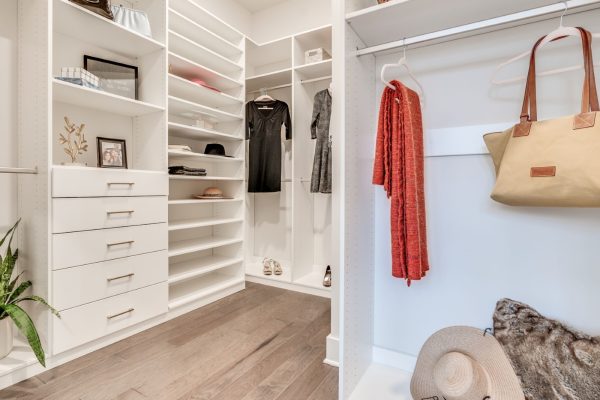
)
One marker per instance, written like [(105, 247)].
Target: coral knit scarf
[(399, 166)]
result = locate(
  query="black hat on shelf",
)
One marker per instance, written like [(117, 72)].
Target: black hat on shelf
[(215, 149)]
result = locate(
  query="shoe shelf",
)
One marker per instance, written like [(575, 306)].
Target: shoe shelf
[(68, 93), (200, 244), (183, 88), (203, 157), (202, 36), (183, 107), (313, 280), (195, 202), (191, 50), (194, 290), (184, 67), (255, 269), (186, 270), (73, 20), (195, 133), (201, 223), (211, 23)]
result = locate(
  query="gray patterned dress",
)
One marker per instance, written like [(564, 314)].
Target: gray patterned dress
[(321, 175)]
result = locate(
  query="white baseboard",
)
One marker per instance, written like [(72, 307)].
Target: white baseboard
[(332, 356), (394, 359)]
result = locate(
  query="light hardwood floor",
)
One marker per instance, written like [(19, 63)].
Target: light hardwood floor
[(262, 343)]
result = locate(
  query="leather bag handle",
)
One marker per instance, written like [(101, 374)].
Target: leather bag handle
[(589, 100)]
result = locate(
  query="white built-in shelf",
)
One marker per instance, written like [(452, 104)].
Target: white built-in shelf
[(179, 44), (183, 88), (207, 285), (193, 202), (203, 178), (208, 20), (197, 33), (379, 24), (316, 70), (76, 95), (73, 20), (189, 109), (195, 133), (187, 68), (203, 157), (269, 80), (201, 223), (256, 269), (200, 244), (187, 270), (20, 357), (313, 280)]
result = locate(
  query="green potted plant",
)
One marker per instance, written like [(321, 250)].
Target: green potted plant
[(12, 294)]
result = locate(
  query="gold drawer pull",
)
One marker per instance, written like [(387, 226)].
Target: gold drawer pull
[(120, 212), (129, 242), (116, 278), (121, 313), (120, 183)]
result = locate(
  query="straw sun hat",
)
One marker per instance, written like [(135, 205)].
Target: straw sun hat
[(462, 363)]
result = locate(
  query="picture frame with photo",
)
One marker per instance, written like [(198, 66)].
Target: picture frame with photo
[(112, 153), (115, 78)]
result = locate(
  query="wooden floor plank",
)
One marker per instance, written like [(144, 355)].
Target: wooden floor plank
[(262, 343)]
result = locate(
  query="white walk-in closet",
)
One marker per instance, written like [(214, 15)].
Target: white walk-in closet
[(118, 251)]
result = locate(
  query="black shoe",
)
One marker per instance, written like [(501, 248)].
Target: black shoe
[(327, 278)]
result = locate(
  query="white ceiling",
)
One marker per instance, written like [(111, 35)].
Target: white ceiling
[(258, 5)]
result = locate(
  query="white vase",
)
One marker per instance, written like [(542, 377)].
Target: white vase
[(6, 337)]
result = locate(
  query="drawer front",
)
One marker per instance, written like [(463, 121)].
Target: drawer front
[(97, 182), (79, 248), (81, 214), (81, 285), (94, 320)]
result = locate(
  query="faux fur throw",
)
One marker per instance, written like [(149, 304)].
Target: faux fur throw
[(552, 361)]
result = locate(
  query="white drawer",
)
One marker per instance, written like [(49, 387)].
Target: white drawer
[(80, 285), (81, 214), (99, 182), (92, 321), (79, 248)]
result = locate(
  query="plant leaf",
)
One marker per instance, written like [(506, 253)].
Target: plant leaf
[(25, 325), (18, 291), (10, 232), (14, 283), (39, 300)]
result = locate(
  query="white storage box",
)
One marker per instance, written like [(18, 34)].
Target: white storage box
[(316, 55)]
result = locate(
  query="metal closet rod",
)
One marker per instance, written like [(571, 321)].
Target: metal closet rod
[(287, 85), (321, 78), (485, 26), (10, 170)]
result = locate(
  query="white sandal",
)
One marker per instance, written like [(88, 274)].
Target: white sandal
[(267, 266), (277, 268)]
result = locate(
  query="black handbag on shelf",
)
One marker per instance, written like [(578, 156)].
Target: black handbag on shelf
[(101, 7)]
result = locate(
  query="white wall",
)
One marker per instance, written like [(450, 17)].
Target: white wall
[(481, 251), (288, 18), (8, 111)]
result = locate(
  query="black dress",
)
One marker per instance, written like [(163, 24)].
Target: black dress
[(264, 132)]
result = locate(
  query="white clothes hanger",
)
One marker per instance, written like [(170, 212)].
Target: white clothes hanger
[(559, 32), (264, 96), (403, 62)]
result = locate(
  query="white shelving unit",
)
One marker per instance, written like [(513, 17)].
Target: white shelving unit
[(205, 236), (294, 226)]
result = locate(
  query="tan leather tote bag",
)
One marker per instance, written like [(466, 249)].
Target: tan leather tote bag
[(553, 163)]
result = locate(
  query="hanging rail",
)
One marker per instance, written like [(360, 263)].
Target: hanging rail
[(321, 78), (10, 170), (485, 26), (287, 85)]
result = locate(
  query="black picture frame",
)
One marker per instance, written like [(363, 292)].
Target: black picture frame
[(114, 76), (106, 160)]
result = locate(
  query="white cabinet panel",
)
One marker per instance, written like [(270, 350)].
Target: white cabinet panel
[(79, 248), (97, 182), (80, 285), (75, 214), (83, 324)]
